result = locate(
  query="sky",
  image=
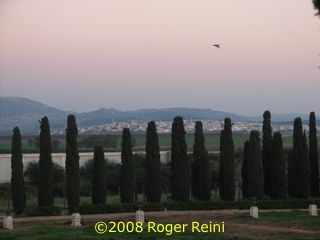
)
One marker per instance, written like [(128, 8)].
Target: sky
[(80, 55)]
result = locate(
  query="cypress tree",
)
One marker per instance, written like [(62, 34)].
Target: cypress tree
[(45, 193), (72, 164), (99, 178), (227, 184), (179, 162), (153, 178), (221, 165), (127, 180), (267, 151), (298, 165), (201, 188), (306, 166), (17, 181), (244, 170), (254, 167), (313, 156), (278, 184)]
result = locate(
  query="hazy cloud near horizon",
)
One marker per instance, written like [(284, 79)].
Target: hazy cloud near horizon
[(82, 55)]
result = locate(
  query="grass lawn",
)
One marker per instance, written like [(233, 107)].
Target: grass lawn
[(238, 226), (55, 231), (294, 218)]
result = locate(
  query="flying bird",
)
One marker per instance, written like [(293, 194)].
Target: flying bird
[(216, 45)]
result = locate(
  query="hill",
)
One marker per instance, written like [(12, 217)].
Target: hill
[(26, 113)]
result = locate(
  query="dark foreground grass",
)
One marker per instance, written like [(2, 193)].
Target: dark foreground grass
[(235, 228), (295, 219), (46, 231)]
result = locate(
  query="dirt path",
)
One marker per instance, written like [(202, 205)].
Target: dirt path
[(114, 216), (110, 216), (274, 229), (254, 230)]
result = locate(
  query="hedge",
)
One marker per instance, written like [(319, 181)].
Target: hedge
[(43, 211)]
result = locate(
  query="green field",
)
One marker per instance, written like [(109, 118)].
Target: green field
[(212, 143)]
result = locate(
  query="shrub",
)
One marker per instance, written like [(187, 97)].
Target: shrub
[(43, 211)]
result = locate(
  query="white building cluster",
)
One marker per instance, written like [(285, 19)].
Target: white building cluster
[(165, 126)]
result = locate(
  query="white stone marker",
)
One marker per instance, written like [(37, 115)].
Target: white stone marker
[(76, 220), (140, 216), (8, 222), (313, 211), (4, 222), (254, 212)]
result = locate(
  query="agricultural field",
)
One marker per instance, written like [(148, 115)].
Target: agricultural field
[(29, 143), (212, 141)]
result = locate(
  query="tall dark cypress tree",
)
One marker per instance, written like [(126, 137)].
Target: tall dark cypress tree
[(179, 162), (298, 165), (313, 156), (267, 151), (291, 172), (17, 182), (72, 164), (153, 178), (306, 167), (227, 184), (45, 192), (221, 165), (254, 167), (278, 184), (127, 179), (244, 170), (99, 177), (201, 188)]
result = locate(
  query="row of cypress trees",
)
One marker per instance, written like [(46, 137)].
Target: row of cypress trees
[(45, 187), (263, 170), (181, 178), (269, 176), (45, 191), (257, 163)]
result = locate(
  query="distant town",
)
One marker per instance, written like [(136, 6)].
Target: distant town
[(112, 121), (164, 127)]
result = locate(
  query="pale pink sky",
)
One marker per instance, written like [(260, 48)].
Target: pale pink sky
[(80, 55)]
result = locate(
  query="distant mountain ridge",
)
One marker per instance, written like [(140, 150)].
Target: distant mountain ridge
[(26, 113), (164, 114)]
